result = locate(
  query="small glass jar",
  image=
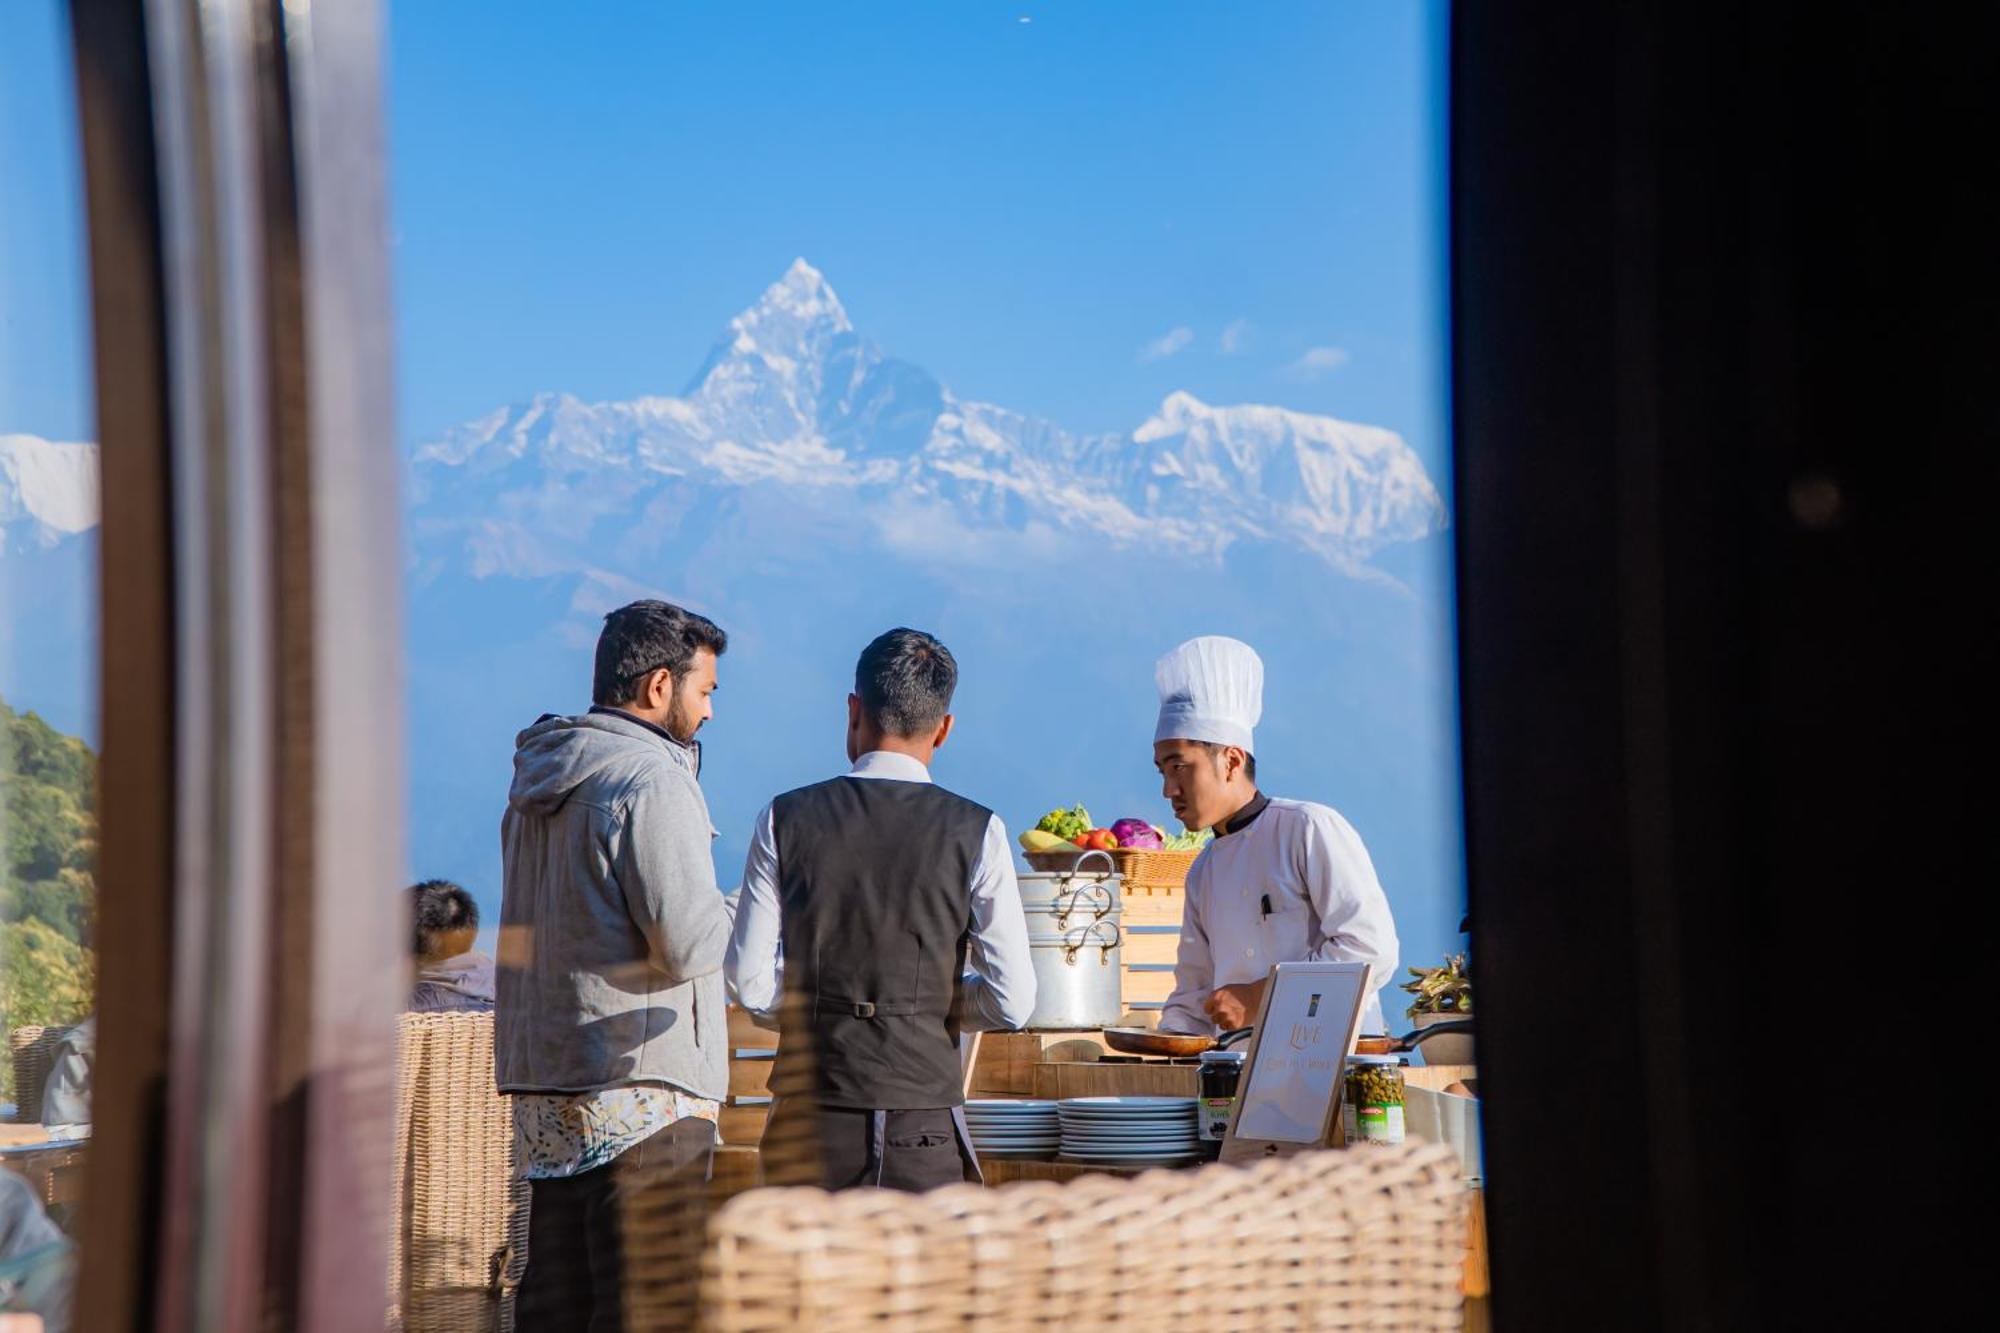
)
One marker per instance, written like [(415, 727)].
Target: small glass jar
[(1220, 1072), (1372, 1110)]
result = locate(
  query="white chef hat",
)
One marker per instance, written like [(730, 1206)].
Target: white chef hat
[(1211, 689)]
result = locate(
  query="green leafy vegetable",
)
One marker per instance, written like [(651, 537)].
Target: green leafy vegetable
[(1071, 824)]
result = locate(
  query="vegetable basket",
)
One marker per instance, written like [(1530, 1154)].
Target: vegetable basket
[(1142, 866)]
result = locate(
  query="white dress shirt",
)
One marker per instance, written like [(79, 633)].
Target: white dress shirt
[(1326, 906), (999, 984)]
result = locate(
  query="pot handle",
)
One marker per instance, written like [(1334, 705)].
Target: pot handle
[(1110, 861), (1101, 903), (1083, 937), (1231, 1037)]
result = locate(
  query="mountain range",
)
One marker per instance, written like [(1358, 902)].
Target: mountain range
[(792, 396)]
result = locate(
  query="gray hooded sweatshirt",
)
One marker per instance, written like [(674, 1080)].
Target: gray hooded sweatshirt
[(612, 931)]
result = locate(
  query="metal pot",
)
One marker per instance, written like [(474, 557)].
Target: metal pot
[(1073, 942)]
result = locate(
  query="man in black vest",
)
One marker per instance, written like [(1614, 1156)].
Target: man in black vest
[(884, 910)]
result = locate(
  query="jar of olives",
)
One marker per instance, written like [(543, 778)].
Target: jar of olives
[(1373, 1109), (1221, 1071)]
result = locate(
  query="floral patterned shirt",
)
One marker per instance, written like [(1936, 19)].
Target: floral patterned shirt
[(566, 1134)]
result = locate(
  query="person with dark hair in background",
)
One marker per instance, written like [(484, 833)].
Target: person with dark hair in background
[(865, 901), (610, 1030), (451, 974)]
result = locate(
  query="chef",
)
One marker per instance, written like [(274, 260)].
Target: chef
[(1283, 881)]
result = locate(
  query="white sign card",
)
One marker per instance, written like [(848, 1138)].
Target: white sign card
[(1306, 1028)]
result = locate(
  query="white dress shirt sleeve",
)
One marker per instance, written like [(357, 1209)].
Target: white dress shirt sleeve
[(999, 986), (1347, 897), (1194, 964), (755, 963)]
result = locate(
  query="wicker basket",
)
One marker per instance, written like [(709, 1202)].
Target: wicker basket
[(1321, 1240), (33, 1051), (1138, 865)]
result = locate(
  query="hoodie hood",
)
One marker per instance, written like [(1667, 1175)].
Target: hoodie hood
[(559, 754)]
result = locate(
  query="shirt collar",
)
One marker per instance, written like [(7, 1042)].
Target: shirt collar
[(890, 765), (1243, 818)]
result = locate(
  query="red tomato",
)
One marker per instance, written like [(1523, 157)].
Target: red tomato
[(1101, 840)]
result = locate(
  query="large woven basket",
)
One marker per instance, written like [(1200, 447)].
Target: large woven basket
[(460, 1240), (1140, 867), (1365, 1239)]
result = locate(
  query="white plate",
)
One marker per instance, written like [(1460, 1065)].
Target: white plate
[(1188, 1137), (1023, 1127), (1086, 1103), (1003, 1105), (1133, 1161), (1131, 1139)]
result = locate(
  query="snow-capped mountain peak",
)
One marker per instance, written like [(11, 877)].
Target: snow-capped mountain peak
[(792, 395), (48, 490)]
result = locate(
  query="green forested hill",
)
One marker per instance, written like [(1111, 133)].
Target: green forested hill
[(48, 833)]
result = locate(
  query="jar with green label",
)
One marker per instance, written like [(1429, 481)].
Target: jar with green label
[(1373, 1105), (1221, 1071)]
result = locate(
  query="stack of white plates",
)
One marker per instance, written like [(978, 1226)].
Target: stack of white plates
[(1013, 1129), (1129, 1131)]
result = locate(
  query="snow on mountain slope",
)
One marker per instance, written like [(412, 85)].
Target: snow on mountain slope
[(792, 396), (48, 491)]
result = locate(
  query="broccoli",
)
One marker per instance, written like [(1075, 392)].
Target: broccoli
[(1070, 824)]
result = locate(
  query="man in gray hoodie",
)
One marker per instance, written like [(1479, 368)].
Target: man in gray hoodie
[(610, 1029)]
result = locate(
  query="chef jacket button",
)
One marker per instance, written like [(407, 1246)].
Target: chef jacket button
[(1249, 953)]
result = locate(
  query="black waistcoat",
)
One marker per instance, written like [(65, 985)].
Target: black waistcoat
[(874, 877)]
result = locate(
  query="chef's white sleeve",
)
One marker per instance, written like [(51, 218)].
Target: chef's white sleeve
[(1348, 899), (999, 986), (1194, 965), (755, 964)]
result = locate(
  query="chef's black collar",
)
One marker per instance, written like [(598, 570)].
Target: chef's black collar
[(1243, 818)]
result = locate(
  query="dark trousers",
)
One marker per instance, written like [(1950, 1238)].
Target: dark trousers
[(622, 1238), (894, 1150)]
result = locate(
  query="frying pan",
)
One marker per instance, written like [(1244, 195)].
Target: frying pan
[(1411, 1041), (1145, 1041)]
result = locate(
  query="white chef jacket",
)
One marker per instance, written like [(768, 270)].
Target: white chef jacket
[(999, 983), (1326, 906)]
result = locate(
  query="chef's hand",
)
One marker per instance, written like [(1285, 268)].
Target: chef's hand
[(1231, 1006)]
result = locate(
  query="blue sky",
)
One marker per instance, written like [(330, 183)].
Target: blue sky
[(1070, 216), (44, 322), (584, 194)]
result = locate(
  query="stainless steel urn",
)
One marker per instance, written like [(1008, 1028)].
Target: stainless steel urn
[(1073, 938)]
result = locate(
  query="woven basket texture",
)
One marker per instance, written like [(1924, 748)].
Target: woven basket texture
[(1367, 1239), (1140, 867), (461, 1235), (33, 1050)]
